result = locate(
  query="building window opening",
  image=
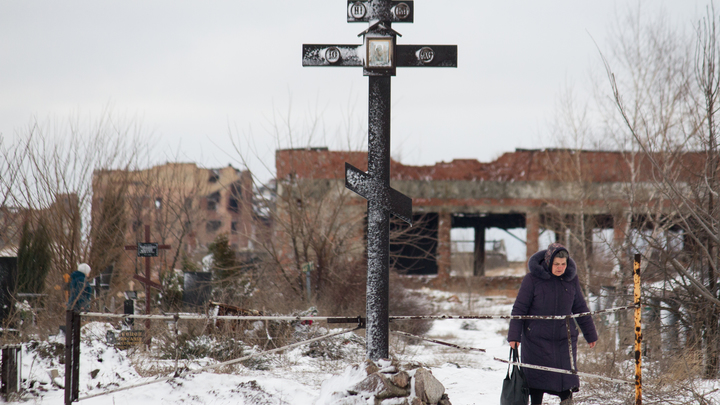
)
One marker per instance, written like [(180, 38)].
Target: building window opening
[(235, 197), (462, 246), (413, 249), (214, 176), (213, 200), (213, 226), (136, 225)]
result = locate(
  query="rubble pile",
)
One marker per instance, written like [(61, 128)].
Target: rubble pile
[(388, 385)]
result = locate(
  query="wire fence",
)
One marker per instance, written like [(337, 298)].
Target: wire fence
[(360, 324), (223, 364), (71, 393)]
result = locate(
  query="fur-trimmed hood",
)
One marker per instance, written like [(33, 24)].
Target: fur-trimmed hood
[(538, 268)]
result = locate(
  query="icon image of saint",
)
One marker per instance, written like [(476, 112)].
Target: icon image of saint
[(379, 53)]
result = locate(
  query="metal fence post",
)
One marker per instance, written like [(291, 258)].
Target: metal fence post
[(11, 366), (76, 357), (638, 331), (72, 356), (68, 356)]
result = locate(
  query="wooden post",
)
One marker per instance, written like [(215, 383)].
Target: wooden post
[(638, 332)]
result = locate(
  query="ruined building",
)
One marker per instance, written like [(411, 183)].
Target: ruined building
[(569, 193), (186, 206)]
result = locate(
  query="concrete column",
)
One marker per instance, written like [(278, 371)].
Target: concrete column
[(620, 225), (588, 237), (532, 228), (443, 247), (479, 252)]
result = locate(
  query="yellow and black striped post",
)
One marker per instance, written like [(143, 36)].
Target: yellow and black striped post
[(638, 332)]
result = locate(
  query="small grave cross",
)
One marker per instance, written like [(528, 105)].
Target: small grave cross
[(147, 250), (379, 55)]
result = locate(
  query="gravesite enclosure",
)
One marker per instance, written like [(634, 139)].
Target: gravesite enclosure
[(359, 276)]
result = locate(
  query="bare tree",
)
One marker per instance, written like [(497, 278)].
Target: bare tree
[(314, 227), (666, 102), (54, 181), (12, 160)]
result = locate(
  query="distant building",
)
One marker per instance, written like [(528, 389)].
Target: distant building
[(62, 219), (186, 206), (11, 219)]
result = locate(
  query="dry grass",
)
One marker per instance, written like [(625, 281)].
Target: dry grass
[(669, 378)]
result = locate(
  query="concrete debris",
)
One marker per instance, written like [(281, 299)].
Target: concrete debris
[(385, 385)]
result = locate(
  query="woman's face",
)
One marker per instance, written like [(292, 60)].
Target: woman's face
[(559, 265)]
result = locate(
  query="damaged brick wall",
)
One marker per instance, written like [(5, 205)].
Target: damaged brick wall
[(543, 186)]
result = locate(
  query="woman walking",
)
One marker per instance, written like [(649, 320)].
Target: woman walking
[(550, 288)]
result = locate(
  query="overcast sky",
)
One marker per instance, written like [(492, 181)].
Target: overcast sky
[(196, 73)]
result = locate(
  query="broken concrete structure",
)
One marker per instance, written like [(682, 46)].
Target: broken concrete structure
[(566, 192)]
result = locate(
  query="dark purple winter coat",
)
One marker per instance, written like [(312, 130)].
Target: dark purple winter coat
[(545, 342)]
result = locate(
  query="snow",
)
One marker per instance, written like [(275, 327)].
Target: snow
[(292, 377)]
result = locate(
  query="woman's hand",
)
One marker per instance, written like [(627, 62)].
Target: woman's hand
[(515, 345), (592, 344)]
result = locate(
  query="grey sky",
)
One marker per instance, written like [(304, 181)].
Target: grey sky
[(190, 70)]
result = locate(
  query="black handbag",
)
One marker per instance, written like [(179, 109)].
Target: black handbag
[(514, 390)]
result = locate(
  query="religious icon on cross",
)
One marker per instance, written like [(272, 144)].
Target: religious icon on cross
[(381, 56)]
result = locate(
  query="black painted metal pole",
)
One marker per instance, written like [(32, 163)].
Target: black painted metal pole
[(68, 356), (378, 276), (76, 357), (72, 356)]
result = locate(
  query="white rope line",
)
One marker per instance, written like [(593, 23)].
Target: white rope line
[(325, 318), (176, 317), (440, 342), (226, 363), (556, 317), (206, 317), (559, 370), (556, 370)]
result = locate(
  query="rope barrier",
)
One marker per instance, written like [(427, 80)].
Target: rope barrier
[(560, 370), (212, 366), (174, 317), (440, 342), (206, 317), (557, 317), (557, 370)]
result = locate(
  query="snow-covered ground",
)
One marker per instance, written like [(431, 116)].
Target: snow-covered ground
[(292, 377)]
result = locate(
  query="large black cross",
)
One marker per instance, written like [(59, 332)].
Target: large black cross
[(379, 55)]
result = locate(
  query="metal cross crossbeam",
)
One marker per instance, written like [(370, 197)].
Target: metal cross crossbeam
[(379, 55), (407, 55), (365, 11), (369, 188)]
